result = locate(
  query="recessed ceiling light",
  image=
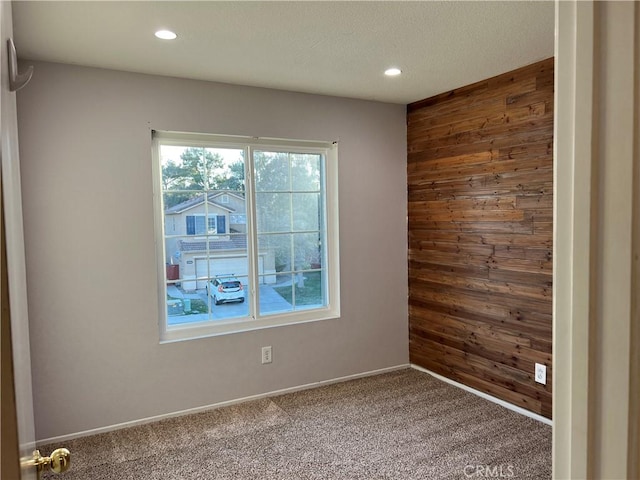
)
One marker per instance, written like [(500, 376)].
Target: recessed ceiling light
[(165, 34), (392, 72)]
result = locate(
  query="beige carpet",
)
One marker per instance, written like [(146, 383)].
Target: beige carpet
[(399, 425)]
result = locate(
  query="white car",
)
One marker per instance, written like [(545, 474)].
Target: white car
[(225, 288)]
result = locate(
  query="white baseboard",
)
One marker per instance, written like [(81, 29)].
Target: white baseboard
[(502, 403), (190, 411)]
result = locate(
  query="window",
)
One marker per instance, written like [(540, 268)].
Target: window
[(211, 224), (277, 260), (195, 224), (240, 219)]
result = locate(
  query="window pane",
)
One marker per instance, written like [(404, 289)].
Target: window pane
[(183, 168), (279, 247), (176, 202), (306, 211), (307, 252), (185, 303), (305, 172), (228, 296), (195, 168), (272, 171), (273, 211), (211, 224), (226, 171), (172, 258), (309, 288), (206, 284), (200, 227), (277, 298), (300, 291)]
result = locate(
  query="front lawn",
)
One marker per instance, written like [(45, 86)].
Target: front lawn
[(176, 306), (311, 294)]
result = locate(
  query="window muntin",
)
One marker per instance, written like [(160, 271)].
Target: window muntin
[(278, 236)]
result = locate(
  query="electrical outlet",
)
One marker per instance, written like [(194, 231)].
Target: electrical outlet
[(266, 355), (541, 373)]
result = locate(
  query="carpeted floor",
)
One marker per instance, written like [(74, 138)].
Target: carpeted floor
[(400, 425)]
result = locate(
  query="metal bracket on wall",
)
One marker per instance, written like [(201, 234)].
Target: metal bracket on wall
[(16, 80)]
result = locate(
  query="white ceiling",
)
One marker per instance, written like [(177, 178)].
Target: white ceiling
[(332, 48)]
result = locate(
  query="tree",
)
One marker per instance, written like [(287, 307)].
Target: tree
[(288, 202), (234, 178), (198, 171)]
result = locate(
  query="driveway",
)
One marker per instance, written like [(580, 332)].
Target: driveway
[(270, 302)]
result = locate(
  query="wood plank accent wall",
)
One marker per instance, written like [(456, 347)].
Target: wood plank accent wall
[(480, 180)]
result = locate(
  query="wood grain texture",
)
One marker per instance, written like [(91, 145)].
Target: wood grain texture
[(480, 213)]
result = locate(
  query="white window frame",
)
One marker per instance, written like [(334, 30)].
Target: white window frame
[(214, 217), (254, 322)]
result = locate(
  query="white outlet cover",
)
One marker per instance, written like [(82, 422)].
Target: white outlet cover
[(541, 373), (267, 355)]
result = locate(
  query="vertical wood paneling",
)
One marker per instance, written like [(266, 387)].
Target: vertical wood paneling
[(480, 180)]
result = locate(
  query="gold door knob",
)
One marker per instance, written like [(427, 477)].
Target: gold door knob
[(58, 462)]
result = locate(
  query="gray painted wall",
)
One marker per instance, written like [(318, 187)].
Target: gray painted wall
[(87, 191)]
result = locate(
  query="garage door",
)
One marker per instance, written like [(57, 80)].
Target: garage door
[(224, 265)]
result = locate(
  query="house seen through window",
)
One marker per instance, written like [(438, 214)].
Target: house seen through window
[(248, 233)]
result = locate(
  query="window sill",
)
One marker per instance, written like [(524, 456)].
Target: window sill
[(227, 327)]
